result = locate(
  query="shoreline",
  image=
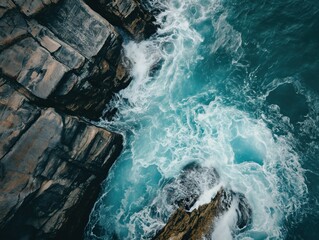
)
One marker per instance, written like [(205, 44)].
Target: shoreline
[(60, 63)]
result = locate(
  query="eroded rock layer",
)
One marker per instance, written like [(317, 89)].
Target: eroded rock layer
[(194, 220), (65, 53), (200, 222), (127, 14), (51, 167), (59, 61)]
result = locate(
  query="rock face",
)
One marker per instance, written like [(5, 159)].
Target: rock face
[(127, 14), (51, 167), (192, 220), (192, 225), (184, 190), (73, 58), (199, 223), (59, 61)]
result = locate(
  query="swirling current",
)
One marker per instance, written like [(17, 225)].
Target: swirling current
[(231, 85)]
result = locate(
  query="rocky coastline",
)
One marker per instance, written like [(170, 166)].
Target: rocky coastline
[(194, 219), (60, 63)]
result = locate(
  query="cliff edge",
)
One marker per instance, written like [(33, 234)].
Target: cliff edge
[(60, 63)]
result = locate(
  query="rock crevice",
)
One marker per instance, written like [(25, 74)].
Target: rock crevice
[(194, 220), (60, 62)]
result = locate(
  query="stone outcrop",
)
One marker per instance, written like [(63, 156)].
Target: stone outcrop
[(51, 167), (60, 61), (184, 190), (192, 220), (192, 225), (199, 223), (127, 14), (65, 53), (32, 7)]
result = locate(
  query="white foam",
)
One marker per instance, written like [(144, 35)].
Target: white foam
[(166, 127), (206, 197), (224, 226)]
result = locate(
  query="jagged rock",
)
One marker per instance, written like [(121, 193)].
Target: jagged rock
[(12, 27), (17, 115), (184, 190), (5, 5), (38, 71), (58, 49), (51, 167), (129, 14), (199, 223), (81, 28), (73, 56), (56, 57), (192, 219), (32, 7), (192, 225)]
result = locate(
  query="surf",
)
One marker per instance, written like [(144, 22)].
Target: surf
[(184, 106)]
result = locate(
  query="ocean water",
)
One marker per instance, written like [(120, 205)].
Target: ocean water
[(232, 86)]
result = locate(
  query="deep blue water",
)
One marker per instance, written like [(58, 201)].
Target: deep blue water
[(235, 90)]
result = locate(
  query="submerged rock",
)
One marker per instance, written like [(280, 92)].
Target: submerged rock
[(184, 190), (191, 225)]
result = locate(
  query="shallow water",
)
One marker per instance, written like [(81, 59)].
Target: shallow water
[(236, 91)]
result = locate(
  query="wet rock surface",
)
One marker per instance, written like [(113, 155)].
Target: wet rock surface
[(192, 225), (184, 190), (66, 54), (191, 221), (51, 167), (60, 63), (200, 223), (127, 14)]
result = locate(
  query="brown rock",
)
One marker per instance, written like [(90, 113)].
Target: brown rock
[(73, 59), (16, 116), (5, 5), (199, 223), (64, 55), (32, 7), (37, 70), (192, 225), (129, 14), (58, 49), (51, 167), (12, 27), (81, 28), (67, 54)]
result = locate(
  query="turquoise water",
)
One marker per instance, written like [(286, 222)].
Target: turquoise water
[(231, 86)]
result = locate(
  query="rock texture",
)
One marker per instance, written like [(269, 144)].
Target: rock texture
[(199, 223), (184, 190), (65, 53), (192, 220), (51, 167), (192, 225), (127, 14), (59, 61)]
